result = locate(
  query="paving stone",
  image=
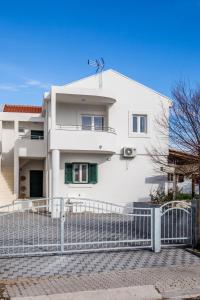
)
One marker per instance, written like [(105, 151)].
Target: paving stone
[(170, 269)]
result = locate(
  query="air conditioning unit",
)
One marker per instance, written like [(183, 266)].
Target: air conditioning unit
[(129, 152)]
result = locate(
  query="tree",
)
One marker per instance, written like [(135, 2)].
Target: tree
[(183, 127)]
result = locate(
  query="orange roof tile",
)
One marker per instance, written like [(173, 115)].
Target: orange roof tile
[(22, 108)]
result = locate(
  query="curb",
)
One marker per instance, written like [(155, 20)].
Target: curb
[(193, 252)]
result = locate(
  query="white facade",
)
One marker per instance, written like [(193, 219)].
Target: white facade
[(87, 127)]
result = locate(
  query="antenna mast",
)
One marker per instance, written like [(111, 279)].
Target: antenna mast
[(99, 65)]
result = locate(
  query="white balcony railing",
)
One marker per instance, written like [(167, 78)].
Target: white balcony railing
[(86, 128), (31, 137)]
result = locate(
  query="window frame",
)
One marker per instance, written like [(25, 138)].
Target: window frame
[(138, 125), (92, 127), (91, 173), (138, 134), (170, 177), (80, 173)]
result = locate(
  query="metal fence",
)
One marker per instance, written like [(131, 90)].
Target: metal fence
[(91, 224), (61, 225), (176, 223), (27, 227)]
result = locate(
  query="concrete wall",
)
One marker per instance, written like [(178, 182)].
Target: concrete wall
[(82, 141), (70, 114), (119, 181), (28, 126), (30, 148), (8, 140)]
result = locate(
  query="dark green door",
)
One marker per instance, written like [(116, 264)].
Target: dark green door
[(36, 183)]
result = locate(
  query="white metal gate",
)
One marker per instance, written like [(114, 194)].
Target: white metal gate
[(176, 223), (27, 227)]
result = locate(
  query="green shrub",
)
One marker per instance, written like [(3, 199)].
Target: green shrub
[(159, 197), (184, 196)]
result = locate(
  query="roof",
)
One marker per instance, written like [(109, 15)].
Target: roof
[(177, 154), (22, 109)]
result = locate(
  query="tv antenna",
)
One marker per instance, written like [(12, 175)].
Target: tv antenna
[(99, 65)]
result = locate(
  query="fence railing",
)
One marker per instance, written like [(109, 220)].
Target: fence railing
[(101, 225), (63, 225), (59, 225)]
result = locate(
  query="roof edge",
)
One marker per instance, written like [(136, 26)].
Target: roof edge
[(138, 83), (124, 76), (15, 108)]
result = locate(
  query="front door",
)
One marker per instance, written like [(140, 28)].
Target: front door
[(36, 183)]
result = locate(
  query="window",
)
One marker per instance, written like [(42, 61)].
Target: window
[(86, 123), (179, 177), (37, 134), (170, 177), (92, 122), (140, 123), (80, 173)]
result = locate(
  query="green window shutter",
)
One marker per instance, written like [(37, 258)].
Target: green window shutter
[(93, 173), (68, 173)]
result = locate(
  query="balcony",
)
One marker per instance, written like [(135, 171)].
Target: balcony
[(30, 146), (76, 138)]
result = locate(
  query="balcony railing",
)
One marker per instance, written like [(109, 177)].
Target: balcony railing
[(86, 128), (31, 137)]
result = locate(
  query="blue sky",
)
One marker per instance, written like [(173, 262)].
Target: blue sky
[(43, 42)]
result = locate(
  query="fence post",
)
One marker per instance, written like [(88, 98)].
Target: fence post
[(196, 223), (156, 234), (55, 208), (62, 223)]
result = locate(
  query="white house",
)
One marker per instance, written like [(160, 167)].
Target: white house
[(85, 141)]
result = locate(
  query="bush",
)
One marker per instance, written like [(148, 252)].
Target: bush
[(183, 196), (159, 197)]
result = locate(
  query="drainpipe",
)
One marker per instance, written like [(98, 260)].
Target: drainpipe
[(55, 183)]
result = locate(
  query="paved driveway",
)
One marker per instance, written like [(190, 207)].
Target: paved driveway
[(78, 264), (172, 269)]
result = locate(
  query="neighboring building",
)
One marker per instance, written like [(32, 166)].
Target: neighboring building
[(182, 175), (74, 144)]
